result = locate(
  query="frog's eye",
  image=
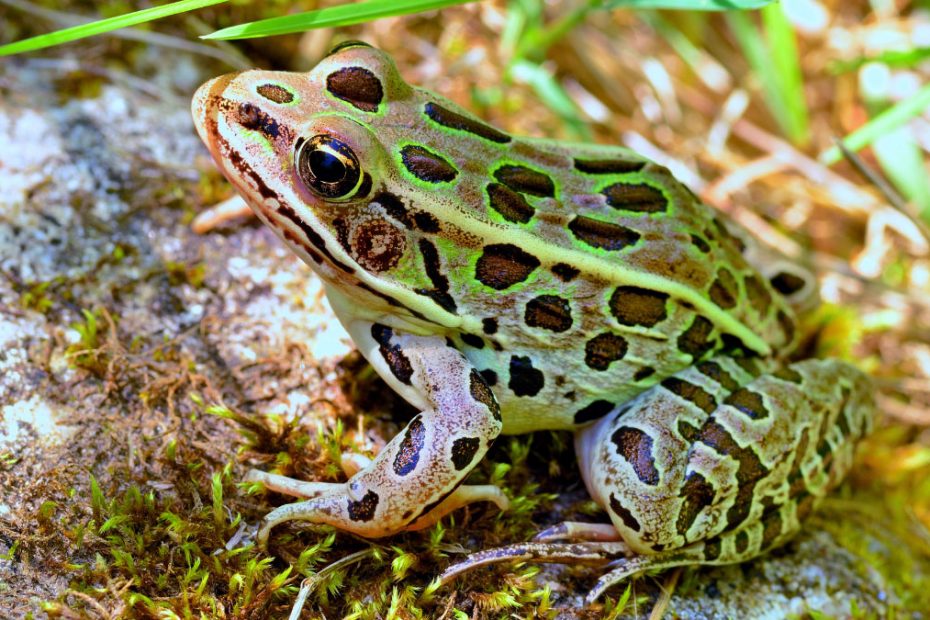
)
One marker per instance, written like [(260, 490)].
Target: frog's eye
[(328, 167)]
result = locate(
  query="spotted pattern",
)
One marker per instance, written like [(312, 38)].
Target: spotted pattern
[(608, 166), (748, 403), (625, 515), (644, 373), (426, 165), (393, 206), (489, 376), (276, 93), (696, 494), (525, 380), (426, 222), (699, 242), (357, 86), (636, 197), (525, 180), (408, 453), (723, 291), (602, 235), (786, 373), (787, 283), (715, 371), (440, 291), (454, 120), (473, 341), (593, 411), (565, 272), (489, 326), (392, 353), (759, 296), (512, 206), (377, 245), (604, 349), (632, 305), (463, 451), (479, 390), (548, 312), (695, 340), (694, 394), (364, 509), (635, 446), (252, 117), (502, 265)]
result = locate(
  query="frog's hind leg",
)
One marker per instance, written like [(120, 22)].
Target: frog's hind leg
[(417, 477)]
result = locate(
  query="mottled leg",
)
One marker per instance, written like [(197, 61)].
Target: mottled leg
[(420, 470), (716, 464)]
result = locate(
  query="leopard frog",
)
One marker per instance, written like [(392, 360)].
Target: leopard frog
[(502, 284)]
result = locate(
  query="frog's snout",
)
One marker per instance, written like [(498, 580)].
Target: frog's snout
[(203, 106)]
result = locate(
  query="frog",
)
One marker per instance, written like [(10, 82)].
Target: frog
[(503, 284)]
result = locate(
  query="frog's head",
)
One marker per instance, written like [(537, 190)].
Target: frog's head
[(311, 154)]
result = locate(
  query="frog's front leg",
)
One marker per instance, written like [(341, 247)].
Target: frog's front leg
[(415, 478)]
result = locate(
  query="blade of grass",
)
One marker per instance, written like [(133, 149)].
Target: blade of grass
[(342, 15), (104, 25), (551, 93), (884, 123), (783, 47), (688, 5)]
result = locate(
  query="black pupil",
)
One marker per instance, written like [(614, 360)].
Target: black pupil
[(326, 167)]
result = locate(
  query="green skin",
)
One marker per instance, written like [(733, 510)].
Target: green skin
[(507, 285)]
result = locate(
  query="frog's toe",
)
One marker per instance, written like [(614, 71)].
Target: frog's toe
[(556, 553), (578, 531)]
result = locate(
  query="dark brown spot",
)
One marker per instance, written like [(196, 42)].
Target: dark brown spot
[(443, 299), (502, 265), (637, 197), (252, 117), (377, 245), (473, 340), (689, 432), (625, 515), (723, 291), (750, 365), (408, 453), (787, 283), (608, 166), (454, 120), (489, 326), (548, 312), (357, 86), (565, 272), (512, 206), (635, 446), (392, 353), (426, 165), (741, 542), (393, 206), (463, 451), (524, 379), (603, 349), (432, 265), (426, 222), (758, 293), (749, 403), (700, 244), (480, 391), (644, 373), (276, 93), (312, 236), (697, 494), (525, 180), (695, 394), (695, 340), (490, 377), (363, 509), (712, 549), (603, 235), (771, 529), (786, 373), (632, 305), (786, 323), (593, 411), (714, 371)]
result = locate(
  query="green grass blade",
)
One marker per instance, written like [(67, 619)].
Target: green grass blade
[(884, 123), (902, 162), (783, 47), (342, 15), (688, 5), (551, 93), (104, 25)]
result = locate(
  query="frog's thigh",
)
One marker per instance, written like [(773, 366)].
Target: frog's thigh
[(421, 468), (719, 462)]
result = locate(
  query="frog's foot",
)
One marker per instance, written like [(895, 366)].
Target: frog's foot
[(416, 478), (217, 215)]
